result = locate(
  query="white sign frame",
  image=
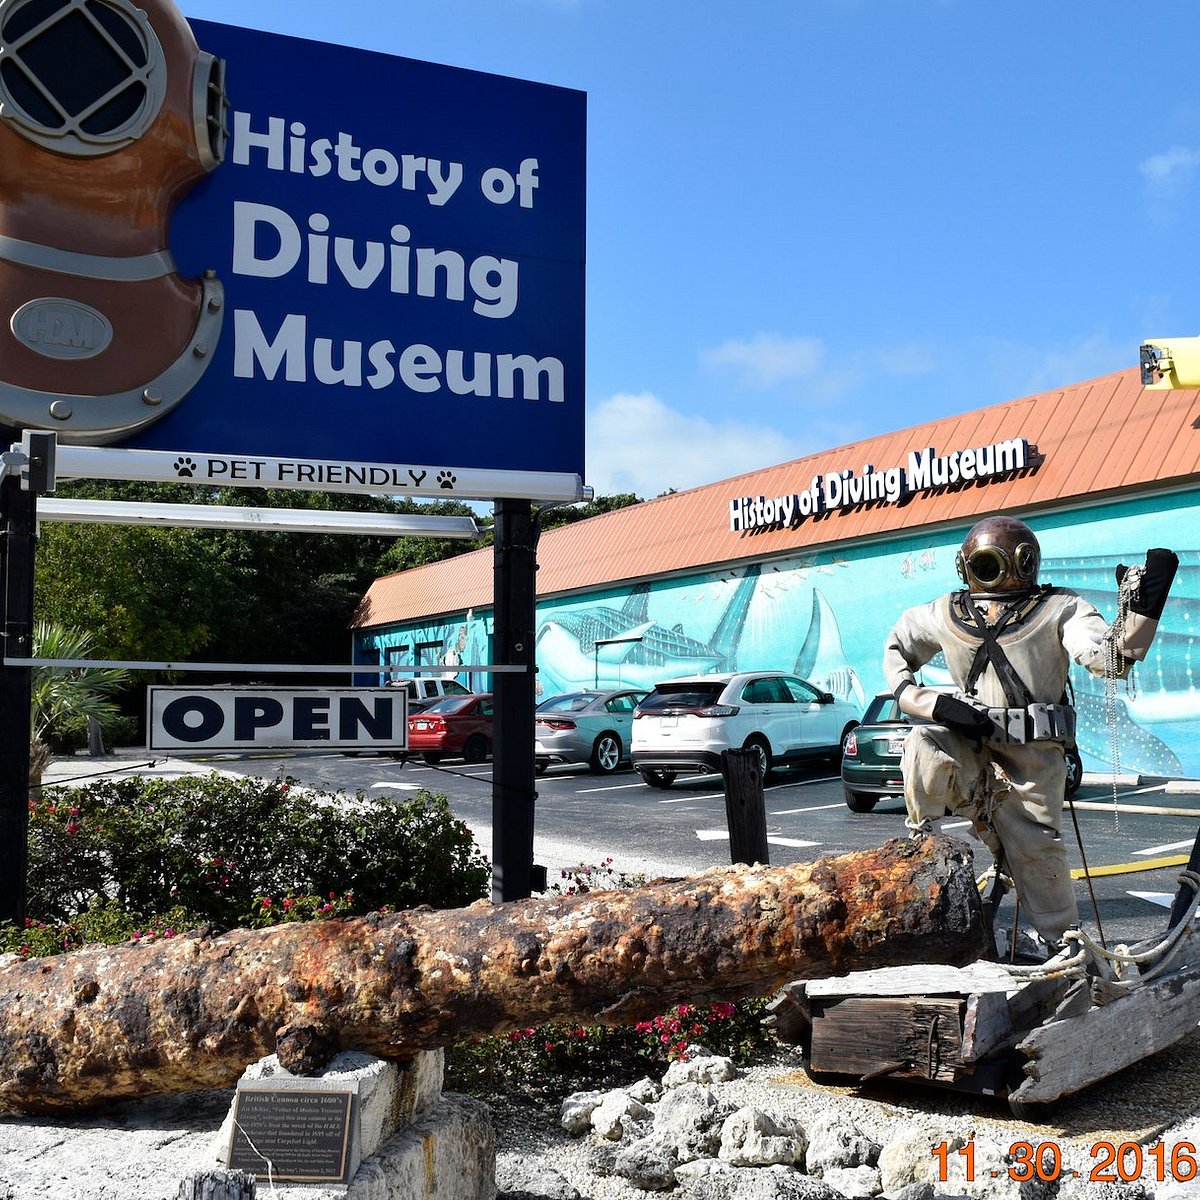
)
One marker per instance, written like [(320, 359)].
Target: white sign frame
[(247, 706), (444, 482)]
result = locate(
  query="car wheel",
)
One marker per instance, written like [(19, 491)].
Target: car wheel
[(431, 757), (1074, 769), (540, 766), (658, 779), (476, 749), (860, 802), (606, 754), (758, 743)]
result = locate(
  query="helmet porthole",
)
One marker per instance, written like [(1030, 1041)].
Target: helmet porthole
[(79, 77)]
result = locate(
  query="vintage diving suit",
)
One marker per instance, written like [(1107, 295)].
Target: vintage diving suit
[(995, 750)]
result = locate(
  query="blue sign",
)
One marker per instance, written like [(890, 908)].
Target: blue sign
[(401, 248)]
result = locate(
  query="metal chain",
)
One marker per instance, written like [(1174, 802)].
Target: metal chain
[(1113, 664)]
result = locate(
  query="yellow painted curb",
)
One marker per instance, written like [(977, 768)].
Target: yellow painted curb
[(1150, 864)]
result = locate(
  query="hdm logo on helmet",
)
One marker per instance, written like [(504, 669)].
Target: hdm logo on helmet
[(926, 471)]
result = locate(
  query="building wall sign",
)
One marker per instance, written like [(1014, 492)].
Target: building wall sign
[(926, 470)]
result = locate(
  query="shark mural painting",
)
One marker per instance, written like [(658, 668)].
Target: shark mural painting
[(602, 646)]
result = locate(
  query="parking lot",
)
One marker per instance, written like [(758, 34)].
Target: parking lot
[(1134, 847)]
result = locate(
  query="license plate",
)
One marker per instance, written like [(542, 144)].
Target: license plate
[(896, 745), (668, 722), (421, 725)]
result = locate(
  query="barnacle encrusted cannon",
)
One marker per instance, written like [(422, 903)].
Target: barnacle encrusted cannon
[(110, 1023)]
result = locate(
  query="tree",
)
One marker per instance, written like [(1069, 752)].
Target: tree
[(61, 693)]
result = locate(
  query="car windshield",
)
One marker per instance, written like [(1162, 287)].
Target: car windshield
[(451, 704), (683, 695), (569, 703)]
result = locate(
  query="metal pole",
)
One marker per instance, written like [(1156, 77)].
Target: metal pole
[(18, 515), (513, 794)]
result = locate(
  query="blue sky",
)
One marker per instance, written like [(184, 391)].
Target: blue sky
[(812, 221)]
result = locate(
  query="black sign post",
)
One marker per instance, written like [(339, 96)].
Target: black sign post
[(18, 514), (513, 794)]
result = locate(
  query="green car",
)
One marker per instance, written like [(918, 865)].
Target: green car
[(871, 756)]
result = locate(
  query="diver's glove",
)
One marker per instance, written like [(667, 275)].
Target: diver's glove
[(1148, 596), (962, 717)]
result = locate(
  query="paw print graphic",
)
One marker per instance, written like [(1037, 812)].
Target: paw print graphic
[(185, 467), (446, 479)]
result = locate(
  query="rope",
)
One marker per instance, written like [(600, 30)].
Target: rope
[(1075, 965)]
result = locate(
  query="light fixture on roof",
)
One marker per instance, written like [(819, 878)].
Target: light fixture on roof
[(1170, 363)]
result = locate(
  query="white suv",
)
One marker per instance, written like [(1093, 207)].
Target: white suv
[(424, 691), (685, 724)]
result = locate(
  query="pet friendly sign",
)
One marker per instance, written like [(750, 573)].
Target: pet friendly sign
[(234, 718)]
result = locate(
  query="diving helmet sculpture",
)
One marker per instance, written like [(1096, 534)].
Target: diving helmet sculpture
[(109, 114)]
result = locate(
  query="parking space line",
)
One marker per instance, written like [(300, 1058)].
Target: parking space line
[(783, 841), (1171, 846), (791, 812), (400, 787), (619, 787)]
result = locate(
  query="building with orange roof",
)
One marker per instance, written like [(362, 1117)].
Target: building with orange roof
[(805, 566)]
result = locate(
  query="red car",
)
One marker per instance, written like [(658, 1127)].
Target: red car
[(455, 725)]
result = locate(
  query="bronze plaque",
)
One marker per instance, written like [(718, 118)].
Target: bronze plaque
[(292, 1134)]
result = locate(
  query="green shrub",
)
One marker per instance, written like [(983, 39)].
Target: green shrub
[(70, 734), (546, 1061), (219, 848), (552, 1059)]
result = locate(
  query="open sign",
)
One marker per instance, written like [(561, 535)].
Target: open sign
[(233, 718)]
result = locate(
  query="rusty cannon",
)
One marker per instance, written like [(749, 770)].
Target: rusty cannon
[(110, 1023)]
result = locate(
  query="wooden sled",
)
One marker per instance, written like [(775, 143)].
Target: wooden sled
[(1030, 1038)]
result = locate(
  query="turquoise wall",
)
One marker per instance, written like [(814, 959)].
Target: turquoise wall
[(825, 617)]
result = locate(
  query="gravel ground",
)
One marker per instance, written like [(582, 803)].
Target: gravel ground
[(1159, 1097)]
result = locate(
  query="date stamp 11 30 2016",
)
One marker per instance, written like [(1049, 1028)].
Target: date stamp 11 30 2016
[(1108, 1162)]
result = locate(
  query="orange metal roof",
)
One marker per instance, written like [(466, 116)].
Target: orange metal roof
[(1096, 439)]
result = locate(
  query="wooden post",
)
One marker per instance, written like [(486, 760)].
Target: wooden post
[(745, 807), (217, 1185)]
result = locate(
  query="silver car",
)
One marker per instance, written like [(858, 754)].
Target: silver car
[(590, 727)]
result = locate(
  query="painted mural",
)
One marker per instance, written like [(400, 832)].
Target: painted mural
[(825, 617)]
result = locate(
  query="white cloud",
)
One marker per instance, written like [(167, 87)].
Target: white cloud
[(636, 443), (1172, 165), (768, 359), (1168, 178)]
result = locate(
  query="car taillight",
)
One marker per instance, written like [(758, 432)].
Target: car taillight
[(716, 710), (555, 723), (851, 745)]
